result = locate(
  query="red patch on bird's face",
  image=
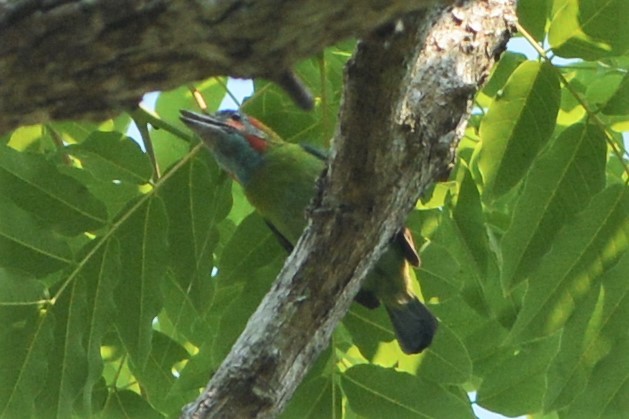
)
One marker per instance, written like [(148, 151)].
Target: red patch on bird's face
[(257, 143)]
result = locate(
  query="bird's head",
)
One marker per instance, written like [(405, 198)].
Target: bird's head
[(239, 142)]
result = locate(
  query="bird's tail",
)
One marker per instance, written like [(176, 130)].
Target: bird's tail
[(414, 326)]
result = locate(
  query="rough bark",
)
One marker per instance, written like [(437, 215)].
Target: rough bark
[(407, 97), (80, 59)]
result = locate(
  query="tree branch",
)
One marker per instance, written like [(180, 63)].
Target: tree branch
[(89, 58), (408, 94)]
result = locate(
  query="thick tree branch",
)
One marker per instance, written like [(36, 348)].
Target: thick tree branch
[(408, 94), (90, 58)]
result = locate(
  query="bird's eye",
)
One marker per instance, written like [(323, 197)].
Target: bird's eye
[(235, 117)]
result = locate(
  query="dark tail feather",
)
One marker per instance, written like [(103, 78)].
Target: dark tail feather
[(414, 326)]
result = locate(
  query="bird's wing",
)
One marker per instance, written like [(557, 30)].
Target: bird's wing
[(367, 299), (318, 153), (283, 241), (405, 240)]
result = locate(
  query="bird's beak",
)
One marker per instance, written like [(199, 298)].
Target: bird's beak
[(200, 122), (209, 128)]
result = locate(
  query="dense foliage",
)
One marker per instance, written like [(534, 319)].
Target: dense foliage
[(122, 287)]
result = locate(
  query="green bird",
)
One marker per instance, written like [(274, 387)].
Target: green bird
[(278, 179)]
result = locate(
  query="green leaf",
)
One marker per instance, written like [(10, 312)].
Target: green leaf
[(315, 398), (589, 29), (82, 314), (125, 404), (113, 157), (594, 332), (447, 359), (197, 198), (77, 131), (565, 35), (581, 75), (561, 182), (18, 287), (156, 377), (532, 16), (606, 394), (73, 131), (252, 246), (67, 356), (483, 340), (375, 392), (26, 336), (500, 74), (442, 272), (516, 127), (116, 195), (194, 375), (517, 385), (368, 328), (583, 250), (143, 249), (470, 224), (234, 317), (465, 261), (602, 88), (168, 148), (618, 104), (449, 269), (100, 275), (26, 245), (249, 263), (39, 188), (569, 371), (25, 138), (604, 21)]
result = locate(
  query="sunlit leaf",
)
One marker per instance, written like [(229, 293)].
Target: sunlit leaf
[(517, 125), (589, 29), (583, 250), (560, 183), (499, 76)]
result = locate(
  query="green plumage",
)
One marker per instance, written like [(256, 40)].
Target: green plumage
[(278, 179), (283, 187)]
